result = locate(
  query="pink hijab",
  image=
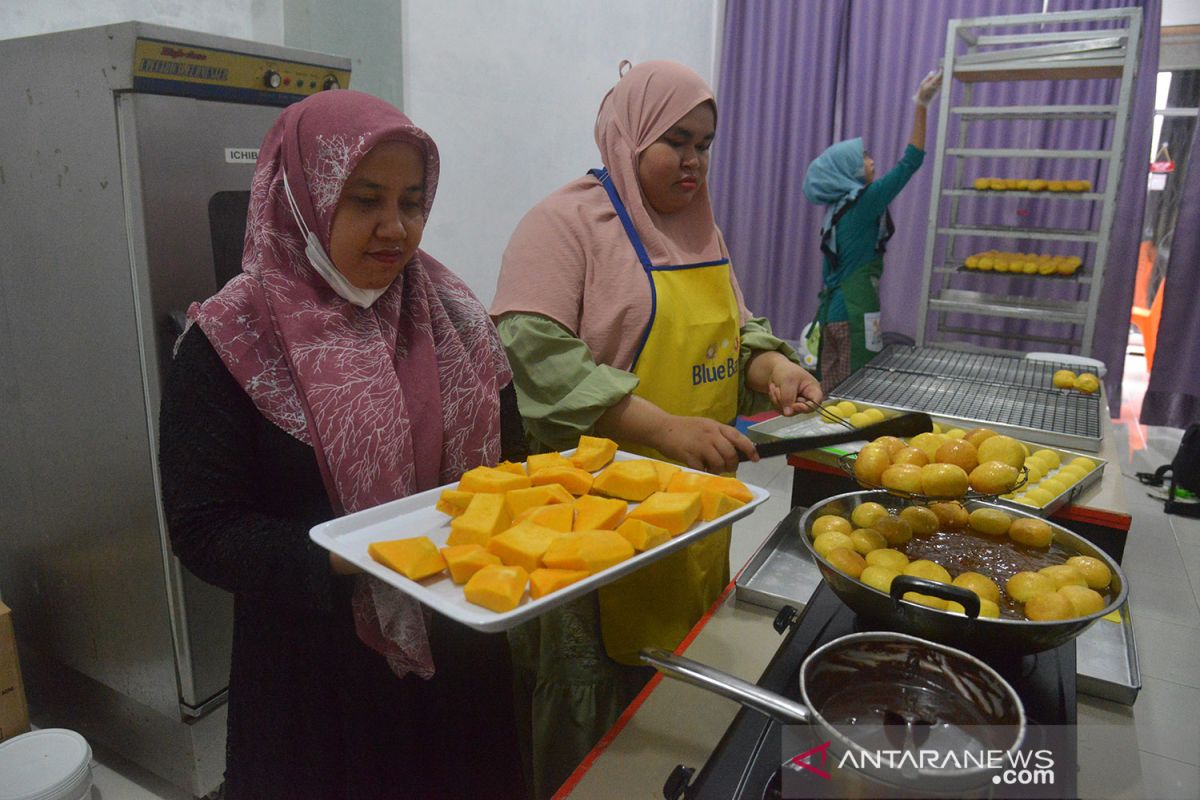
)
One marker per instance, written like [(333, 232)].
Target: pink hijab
[(394, 399), (570, 259)]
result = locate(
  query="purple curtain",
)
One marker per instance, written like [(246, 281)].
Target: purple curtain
[(852, 49), (777, 90), (1173, 396)]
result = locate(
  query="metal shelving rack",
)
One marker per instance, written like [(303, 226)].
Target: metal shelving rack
[(1059, 50)]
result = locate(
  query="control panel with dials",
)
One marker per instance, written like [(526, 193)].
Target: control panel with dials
[(162, 67)]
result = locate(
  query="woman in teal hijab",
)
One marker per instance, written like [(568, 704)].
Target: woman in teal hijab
[(854, 234)]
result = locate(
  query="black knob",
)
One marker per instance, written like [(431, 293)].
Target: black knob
[(331, 82), (677, 782), (271, 79), (786, 618)]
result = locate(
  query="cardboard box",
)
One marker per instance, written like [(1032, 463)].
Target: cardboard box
[(14, 713)]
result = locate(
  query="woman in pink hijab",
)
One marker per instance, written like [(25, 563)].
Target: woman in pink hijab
[(343, 368), (622, 317)]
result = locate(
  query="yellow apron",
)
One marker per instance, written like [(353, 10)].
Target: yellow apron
[(687, 365)]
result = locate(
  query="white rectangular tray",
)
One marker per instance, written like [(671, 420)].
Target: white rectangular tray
[(416, 515)]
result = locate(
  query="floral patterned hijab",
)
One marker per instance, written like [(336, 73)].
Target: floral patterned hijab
[(394, 399)]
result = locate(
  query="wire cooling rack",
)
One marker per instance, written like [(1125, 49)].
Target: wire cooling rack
[(997, 391)]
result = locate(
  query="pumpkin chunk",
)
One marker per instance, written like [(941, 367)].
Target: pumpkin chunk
[(559, 517), (414, 558), (665, 473), (675, 511), (730, 486), (587, 550), (518, 500), (497, 587), (593, 452), (454, 501), (598, 513), (575, 481), (491, 480), (643, 535), (511, 466), (544, 581), (486, 515), (715, 504), (464, 560), (628, 480), (688, 481), (523, 545), (543, 460)]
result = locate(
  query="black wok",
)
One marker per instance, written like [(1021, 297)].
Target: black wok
[(970, 632)]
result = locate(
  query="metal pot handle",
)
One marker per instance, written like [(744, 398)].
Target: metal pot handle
[(910, 583), (714, 680)]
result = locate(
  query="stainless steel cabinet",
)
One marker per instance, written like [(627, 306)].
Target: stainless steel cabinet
[(126, 155)]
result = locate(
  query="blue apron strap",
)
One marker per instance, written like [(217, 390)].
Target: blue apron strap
[(606, 181)]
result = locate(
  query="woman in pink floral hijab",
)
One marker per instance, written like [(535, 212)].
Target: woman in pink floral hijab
[(343, 368)]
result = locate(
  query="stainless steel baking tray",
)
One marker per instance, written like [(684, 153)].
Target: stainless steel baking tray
[(781, 572)]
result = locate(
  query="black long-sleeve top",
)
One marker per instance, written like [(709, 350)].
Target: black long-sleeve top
[(314, 713)]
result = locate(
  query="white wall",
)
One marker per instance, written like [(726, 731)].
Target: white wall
[(258, 20), (509, 90), (1180, 12)]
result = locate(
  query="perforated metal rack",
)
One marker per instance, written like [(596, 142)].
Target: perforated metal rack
[(1005, 393), (967, 365)]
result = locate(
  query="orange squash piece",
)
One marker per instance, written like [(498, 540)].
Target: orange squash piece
[(464, 560), (453, 501), (675, 511), (486, 515), (497, 587), (543, 460), (643, 535), (591, 551), (593, 452), (544, 581), (628, 480), (511, 466), (414, 558), (730, 486), (715, 504), (594, 513), (688, 481), (522, 545), (576, 481), (491, 480), (518, 500), (559, 517), (665, 473)]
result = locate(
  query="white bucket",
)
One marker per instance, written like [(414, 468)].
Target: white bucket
[(47, 764)]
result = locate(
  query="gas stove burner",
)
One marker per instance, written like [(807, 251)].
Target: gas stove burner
[(746, 763), (774, 788)]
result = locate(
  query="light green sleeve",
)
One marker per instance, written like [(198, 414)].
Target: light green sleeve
[(756, 336), (561, 390)]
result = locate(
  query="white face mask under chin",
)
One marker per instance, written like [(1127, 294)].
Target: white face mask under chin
[(363, 298)]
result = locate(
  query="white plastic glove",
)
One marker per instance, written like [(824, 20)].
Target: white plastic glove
[(931, 84)]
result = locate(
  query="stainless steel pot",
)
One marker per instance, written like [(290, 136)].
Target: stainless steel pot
[(970, 632), (879, 691)]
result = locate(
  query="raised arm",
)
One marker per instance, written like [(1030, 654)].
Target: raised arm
[(930, 85)]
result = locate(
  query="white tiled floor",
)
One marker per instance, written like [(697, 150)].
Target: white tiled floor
[(1148, 752)]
